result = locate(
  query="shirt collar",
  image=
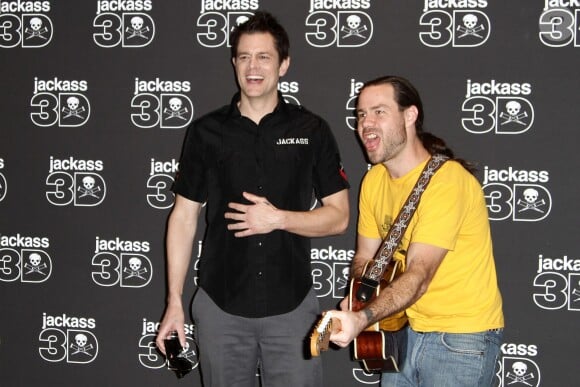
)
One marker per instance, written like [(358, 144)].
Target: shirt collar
[(234, 111)]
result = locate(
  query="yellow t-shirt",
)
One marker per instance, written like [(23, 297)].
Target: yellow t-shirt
[(463, 295)]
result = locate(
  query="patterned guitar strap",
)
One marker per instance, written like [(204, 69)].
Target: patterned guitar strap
[(375, 271)]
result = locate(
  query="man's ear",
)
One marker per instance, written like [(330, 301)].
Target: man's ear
[(411, 114), (284, 67)]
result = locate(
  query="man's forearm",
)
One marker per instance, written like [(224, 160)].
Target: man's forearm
[(358, 265), (320, 222), (394, 298), (330, 219), (179, 246), (177, 266)]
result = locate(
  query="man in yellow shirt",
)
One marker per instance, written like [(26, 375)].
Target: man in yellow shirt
[(448, 288)]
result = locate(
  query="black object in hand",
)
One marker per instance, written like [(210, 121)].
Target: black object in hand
[(177, 356)]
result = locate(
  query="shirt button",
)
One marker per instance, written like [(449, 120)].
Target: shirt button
[(259, 274), (260, 244), (260, 188)]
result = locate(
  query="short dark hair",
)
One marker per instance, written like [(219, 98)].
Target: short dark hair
[(262, 21)]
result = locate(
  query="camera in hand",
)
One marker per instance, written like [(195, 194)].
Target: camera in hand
[(177, 356)]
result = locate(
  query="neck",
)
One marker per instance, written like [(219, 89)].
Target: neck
[(413, 155), (256, 108)]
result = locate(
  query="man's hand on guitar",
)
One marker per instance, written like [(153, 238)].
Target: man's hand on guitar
[(344, 305), (351, 324), (320, 336)]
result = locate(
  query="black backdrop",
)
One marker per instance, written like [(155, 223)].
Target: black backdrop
[(96, 96)]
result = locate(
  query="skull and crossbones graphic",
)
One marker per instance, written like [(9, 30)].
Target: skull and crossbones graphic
[(137, 29), (520, 374), (88, 188), (36, 30), (35, 264), (72, 109), (353, 27), (135, 269), (343, 281), (470, 27), (576, 293), (531, 201), (80, 345), (513, 113), (176, 109), (239, 21)]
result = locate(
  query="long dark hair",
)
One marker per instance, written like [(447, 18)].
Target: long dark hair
[(262, 21), (407, 95)]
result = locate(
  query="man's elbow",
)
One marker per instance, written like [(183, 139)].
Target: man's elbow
[(342, 224), (339, 212)]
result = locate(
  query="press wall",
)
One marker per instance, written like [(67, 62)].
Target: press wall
[(95, 100)]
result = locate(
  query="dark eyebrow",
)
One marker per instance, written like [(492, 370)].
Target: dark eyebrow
[(375, 107)]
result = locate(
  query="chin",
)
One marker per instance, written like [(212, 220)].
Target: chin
[(375, 159)]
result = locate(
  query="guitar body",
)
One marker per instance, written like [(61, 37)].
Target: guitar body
[(376, 348), (377, 351)]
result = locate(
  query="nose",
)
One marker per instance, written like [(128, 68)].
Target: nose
[(366, 121), (253, 62)]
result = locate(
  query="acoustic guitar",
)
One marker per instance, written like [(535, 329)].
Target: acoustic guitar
[(375, 347)]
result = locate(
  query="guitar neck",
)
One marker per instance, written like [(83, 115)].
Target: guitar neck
[(320, 337)]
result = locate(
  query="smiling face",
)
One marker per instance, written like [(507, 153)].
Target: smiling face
[(381, 123), (258, 66)]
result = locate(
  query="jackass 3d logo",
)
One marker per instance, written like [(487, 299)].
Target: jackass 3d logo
[(330, 269), (517, 366), (461, 24), (69, 339), (24, 258), (150, 357), (557, 283), (559, 23), (75, 182), (159, 183), (123, 22), (25, 24), (345, 23), (502, 108), (218, 18), (59, 102), (517, 194), (161, 103), (121, 262)]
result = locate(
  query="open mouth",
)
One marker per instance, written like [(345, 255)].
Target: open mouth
[(371, 141), (254, 79)]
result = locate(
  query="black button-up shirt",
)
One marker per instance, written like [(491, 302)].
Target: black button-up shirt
[(287, 157)]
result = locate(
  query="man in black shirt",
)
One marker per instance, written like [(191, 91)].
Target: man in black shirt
[(256, 163)]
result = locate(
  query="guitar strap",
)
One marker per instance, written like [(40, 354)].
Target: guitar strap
[(375, 271)]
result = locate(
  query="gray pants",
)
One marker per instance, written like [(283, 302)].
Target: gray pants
[(231, 348)]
